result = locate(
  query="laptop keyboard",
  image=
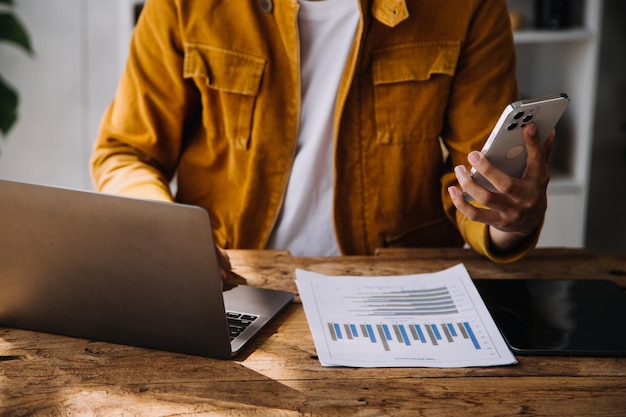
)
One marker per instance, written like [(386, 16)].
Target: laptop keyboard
[(238, 322)]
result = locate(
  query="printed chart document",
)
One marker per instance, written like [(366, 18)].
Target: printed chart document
[(422, 320)]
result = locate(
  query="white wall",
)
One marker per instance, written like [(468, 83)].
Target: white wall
[(64, 88)]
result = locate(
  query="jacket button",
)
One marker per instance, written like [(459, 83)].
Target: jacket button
[(266, 5)]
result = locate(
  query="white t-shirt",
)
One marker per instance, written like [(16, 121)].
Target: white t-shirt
[(305, 226)]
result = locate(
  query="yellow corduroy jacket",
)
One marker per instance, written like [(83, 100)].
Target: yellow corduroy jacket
[(211, 94)]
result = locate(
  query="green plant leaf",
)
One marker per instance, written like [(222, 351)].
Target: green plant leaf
[(11, 29), (10, 2), (8, 107)]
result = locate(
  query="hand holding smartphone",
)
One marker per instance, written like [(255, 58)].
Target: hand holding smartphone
[(505, 147)]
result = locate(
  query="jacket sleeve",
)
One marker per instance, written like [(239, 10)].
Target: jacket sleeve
[(141, 132), (484, 84)]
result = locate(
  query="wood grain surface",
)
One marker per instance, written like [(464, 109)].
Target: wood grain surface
[(279, 374)]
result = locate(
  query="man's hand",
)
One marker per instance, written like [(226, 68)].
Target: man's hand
[(517, 209), (224, 263)]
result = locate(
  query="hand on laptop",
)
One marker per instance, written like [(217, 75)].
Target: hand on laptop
[(224, 263)]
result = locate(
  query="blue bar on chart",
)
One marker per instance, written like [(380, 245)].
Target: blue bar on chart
[(470, 332), (407, 334)]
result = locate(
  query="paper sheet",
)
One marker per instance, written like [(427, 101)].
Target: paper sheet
[(422, 320)]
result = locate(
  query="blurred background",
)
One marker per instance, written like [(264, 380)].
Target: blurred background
[(575, 46), (79, 51)]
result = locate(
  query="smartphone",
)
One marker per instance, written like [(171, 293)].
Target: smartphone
[(505, 147)]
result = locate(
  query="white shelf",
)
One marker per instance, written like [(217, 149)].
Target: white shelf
[(564, 185), (529, 36), (564, 60)]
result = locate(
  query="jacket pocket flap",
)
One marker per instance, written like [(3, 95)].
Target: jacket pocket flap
[(415, 62), (228, 71)]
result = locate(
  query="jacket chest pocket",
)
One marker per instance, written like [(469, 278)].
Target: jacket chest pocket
[(411, 87), (229, 83)]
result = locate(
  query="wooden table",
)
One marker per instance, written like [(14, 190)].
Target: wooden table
[(279, 374)]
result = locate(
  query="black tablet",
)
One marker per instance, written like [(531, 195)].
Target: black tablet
[(558, 316)]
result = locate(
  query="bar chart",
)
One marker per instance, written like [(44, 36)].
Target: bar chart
[(414, 302), (430, 320), (395, 305), (404, 334)]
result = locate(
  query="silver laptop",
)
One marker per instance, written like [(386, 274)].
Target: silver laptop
[(122, 270)]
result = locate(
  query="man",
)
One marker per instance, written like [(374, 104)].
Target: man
[(324, 127)]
